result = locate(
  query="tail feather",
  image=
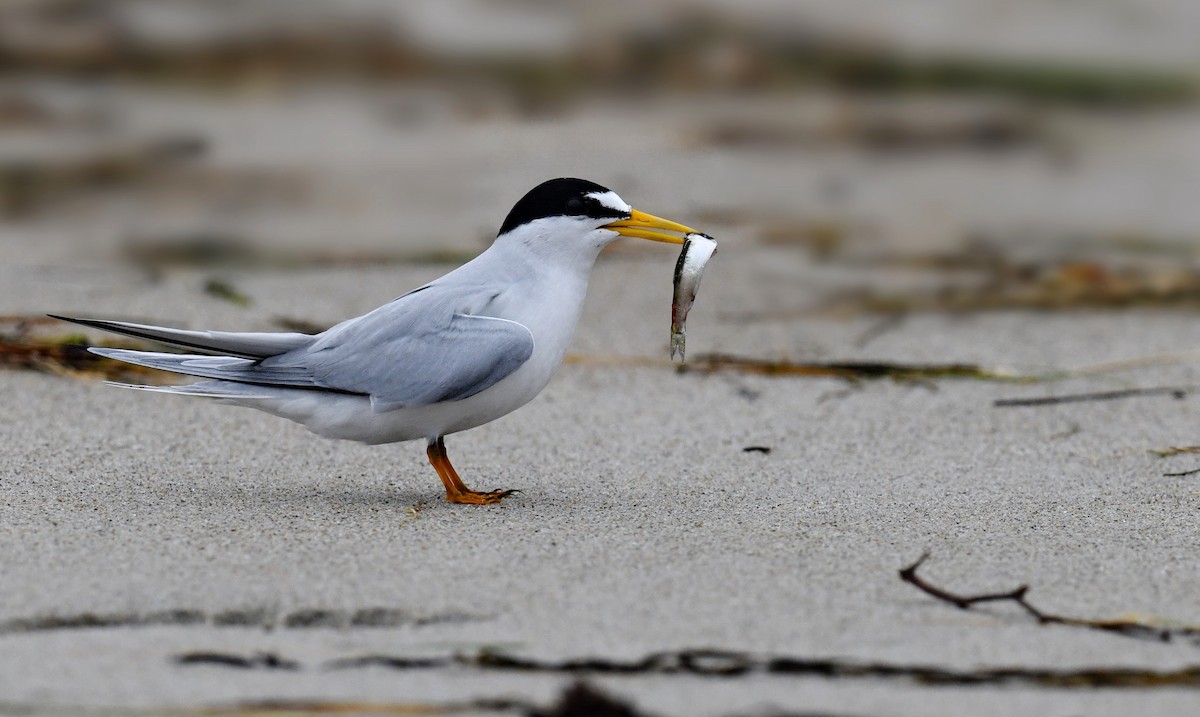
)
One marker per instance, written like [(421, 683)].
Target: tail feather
[(243, 345), (225, 368), (206, 389)]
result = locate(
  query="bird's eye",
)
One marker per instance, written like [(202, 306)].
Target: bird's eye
[(574, 205)]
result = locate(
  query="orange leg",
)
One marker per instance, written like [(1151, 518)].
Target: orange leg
[(456, 490)]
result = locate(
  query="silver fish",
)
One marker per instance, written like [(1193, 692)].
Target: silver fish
[(697, 250)]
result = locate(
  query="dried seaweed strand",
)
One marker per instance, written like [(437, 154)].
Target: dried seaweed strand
[(1177, 393)]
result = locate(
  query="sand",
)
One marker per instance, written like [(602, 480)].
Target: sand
[(643, 525)]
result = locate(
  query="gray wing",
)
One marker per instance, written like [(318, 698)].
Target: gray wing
[(420, 349), (449, 362)]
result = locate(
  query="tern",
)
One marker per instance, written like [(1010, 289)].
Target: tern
[(456, 353)]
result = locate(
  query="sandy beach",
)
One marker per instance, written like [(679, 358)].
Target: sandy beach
[(721, 540)]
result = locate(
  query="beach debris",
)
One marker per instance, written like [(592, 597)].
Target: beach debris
[(1178, 451), (1067, 286), (261, 660), (853, 371), (850, 370), (242, 252), (888, 125), (689, 269), (1177, 393), (765, 450), (1175, 451), (577, 699), (369, 617), (722, 664), (26, 343), (1139, 627), (225, 291), (979, 279), (1072, 429)]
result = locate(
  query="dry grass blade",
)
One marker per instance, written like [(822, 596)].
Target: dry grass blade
[(1175, 451), (848, 370)]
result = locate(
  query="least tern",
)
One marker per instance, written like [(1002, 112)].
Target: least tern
[(451, 355)]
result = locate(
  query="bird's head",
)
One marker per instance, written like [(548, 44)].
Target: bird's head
[(584, 214)]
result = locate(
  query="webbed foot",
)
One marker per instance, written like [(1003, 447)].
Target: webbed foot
[(474, 497)]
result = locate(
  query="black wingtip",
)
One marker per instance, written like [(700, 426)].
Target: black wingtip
[(69, 319), (82, 322)]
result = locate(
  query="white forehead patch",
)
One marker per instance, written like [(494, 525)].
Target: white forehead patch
[(610, 200)]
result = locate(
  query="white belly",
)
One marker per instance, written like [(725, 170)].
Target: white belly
[(350, 417)]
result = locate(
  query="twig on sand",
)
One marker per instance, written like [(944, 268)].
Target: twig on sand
[(1128, 627)]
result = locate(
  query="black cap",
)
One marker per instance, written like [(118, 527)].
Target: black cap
[(560, 197)]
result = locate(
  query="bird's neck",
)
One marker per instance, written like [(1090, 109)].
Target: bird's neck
[(545, 285), (539, 252)]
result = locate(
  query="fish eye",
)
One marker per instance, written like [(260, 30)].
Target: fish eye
[(574, 206)]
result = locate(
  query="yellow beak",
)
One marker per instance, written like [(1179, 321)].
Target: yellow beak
[(648, 226)]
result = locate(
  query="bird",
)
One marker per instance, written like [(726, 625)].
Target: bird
[(448, 356)]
